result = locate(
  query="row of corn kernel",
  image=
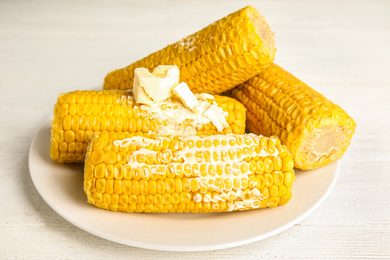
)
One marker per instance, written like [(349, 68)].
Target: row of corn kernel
[(170, 185), (108, 123), (105, 162), (182, 202)]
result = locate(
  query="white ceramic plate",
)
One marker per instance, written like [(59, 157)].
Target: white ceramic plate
[(61, 186)]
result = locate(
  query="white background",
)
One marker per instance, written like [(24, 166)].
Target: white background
[(340, 48)]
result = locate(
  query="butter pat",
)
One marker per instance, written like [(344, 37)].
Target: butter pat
[(215, 114), (156, 86), (186, 96), (140, 74)]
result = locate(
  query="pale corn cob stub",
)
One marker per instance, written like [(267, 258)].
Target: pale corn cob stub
[(80, 114), (219, 173), (315, 130), (214, 59)]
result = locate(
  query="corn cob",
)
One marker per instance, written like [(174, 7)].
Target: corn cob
[(79, 114), (219, 173), (315, 130), (214, 59)]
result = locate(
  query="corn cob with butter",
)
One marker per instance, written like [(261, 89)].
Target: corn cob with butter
[(80, 114), (218, 173), (314, 129), (214, 59)]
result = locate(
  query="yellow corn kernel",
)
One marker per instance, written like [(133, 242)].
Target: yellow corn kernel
[(118, 186), (109, 189), (109, 171), (99, 171), (135, 187), (100, 185), (161, 187), (289, 177), (169, 185), (278, 178)]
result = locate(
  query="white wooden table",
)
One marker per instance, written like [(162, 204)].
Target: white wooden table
[(342, 49)]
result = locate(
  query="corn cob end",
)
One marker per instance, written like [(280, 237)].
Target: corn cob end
[(263, 30), (324, 141)]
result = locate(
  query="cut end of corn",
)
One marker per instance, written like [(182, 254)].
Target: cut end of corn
[(81, 114), (263, 30), (214, 59), (220, 173), (323, 145), (314, 129)]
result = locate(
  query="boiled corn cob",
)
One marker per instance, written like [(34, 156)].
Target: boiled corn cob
[(219, 173), (314, 129), (214, 59), (79, 114)]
